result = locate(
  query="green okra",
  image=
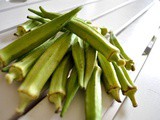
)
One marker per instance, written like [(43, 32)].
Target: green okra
[(129, 62), (127, 88), (34, 38), (90, 59), (95, 39), (109, 78), (79, 59), (39, 19), (127, 76), (19, 69), (42, 70), (52, 15), (93, 97), (57, 89), (26, 27), (72, 88)]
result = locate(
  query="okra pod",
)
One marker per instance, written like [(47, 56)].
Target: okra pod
[(109, 78), (34, 38), (93, 97), (26, 27), (57, 89), (90, 59), (127, 88), (42, 70), (72, 88), (39, 19), (95, 39), (129, 62), (19, 69), (79, 59)]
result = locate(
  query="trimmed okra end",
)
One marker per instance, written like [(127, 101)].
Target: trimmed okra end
[(115, 94), (10, 77), (131, 94)]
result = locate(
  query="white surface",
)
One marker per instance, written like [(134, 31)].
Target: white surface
[(137, 33), (148, 94), (44, 110)]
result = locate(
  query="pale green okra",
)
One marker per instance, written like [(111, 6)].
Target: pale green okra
[(43, 68), (71, 88), (57, 89), (19, 69), (90, 35), (109, 78), (79, 59), (127, 88), (34, 38), (93, 96)]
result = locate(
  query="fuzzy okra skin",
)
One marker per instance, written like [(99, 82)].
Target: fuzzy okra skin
[(79, 59), (42, 70), (57, 89), (129, 62), (71, 88), (127, 88), (93, 97), (95, 39), (34, 38), (110, 79), (90, 59), (19, 69)]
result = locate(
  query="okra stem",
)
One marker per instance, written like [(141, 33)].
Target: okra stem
[(57, 89), (34, 38), (45, 66), (19, 69), (72, 88)]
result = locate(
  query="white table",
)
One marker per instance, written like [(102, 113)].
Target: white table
[(115, 15)]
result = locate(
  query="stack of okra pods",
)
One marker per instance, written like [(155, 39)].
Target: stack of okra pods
[(79, 57)]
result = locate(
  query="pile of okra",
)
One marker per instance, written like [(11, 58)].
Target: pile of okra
[(70, 54)]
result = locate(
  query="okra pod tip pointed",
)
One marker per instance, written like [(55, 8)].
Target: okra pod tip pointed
[(57, 100), (25, 100), (115, 94)]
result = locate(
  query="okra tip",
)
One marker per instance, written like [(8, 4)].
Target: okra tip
[(115, 94), (57, 100), (10, 77), (24, 102)]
